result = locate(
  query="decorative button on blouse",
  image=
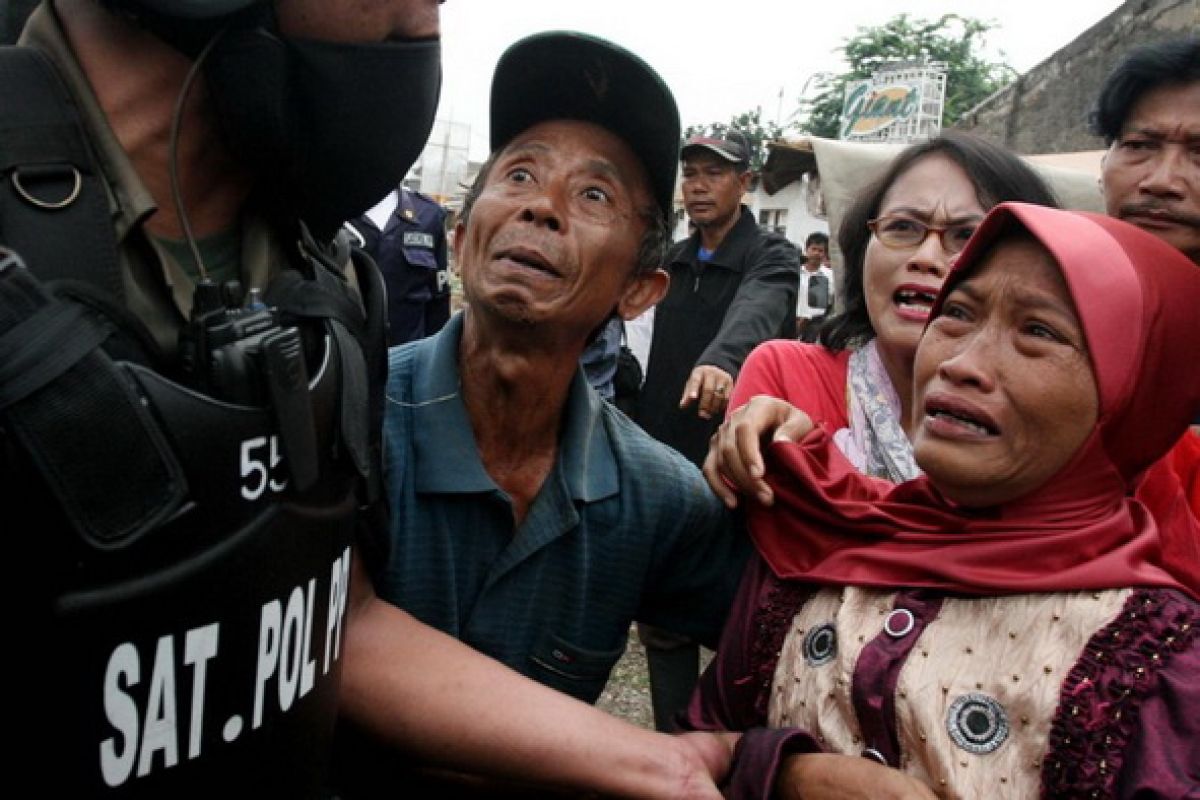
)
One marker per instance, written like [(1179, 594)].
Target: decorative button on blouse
[(820, 645), (977, 723), (899, 623)]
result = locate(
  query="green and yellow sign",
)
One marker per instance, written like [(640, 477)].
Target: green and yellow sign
[(869, 109)]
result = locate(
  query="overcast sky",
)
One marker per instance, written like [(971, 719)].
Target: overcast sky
[(722, 58)]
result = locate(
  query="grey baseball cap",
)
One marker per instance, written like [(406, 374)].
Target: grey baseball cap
[(733, 146)]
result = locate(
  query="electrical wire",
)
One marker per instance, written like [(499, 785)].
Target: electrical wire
[(173, 151)]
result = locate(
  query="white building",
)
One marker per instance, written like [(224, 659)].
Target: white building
[(444, 165), (787, 211)]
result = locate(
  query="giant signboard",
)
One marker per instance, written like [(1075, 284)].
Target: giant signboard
[(902, 103)]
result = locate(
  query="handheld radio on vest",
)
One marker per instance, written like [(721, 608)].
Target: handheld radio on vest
[(242, 354)]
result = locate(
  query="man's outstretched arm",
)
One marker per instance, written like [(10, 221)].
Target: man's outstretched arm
[(435, 698)]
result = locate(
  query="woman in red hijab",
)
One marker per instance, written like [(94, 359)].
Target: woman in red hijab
[(1007, 624)]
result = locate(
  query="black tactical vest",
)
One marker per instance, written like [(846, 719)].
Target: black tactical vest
[(186, 522)]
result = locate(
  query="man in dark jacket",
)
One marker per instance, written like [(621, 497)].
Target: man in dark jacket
[(732, 286)]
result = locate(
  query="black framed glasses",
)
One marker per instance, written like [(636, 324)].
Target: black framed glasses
[(904, 233)]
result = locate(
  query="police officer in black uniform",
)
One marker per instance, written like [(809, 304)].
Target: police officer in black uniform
[(190, 383), (406, 235), (189, 369)]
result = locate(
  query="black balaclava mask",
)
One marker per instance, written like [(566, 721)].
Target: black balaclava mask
[(331, 127)]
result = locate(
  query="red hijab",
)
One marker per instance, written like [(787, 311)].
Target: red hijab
[(1138, 300)]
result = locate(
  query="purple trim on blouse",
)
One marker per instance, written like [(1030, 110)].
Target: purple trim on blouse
[(759, 756), (730, 695), (877, 671), (1103, 696), (1155, 740), (733, 692), (773, 619)]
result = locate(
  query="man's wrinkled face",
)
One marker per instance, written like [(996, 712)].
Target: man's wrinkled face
[(552, 240), (1151, 173)]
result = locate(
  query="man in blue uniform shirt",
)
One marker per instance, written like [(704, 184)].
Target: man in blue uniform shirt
[(406, 235)]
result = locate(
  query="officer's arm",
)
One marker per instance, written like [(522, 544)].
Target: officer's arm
[(434, 697)]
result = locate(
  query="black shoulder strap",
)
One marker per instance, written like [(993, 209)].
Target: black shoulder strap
[(54, 207), (357, 322), (374, 298), (66, 403), (61, 396), (373, 538)]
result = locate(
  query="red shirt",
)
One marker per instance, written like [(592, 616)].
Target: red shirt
[(809, 376)]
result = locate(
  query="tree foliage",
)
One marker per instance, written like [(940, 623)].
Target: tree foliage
[(953, 39), (750, 123)]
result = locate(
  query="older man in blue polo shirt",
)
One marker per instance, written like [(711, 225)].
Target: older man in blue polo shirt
[(531, 519)]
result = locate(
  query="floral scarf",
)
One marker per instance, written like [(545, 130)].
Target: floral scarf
[(874, 442)]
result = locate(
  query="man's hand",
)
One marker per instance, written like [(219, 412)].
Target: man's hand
[(734, 464), (711, 386), (818, 776), (710, 755)]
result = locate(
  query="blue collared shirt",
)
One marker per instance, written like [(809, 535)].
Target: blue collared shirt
[(623, 528)]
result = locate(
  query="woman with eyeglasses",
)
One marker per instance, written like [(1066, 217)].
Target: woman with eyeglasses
[(898, 242)]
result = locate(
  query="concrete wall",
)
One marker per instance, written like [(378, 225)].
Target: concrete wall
[(1046, 110)]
